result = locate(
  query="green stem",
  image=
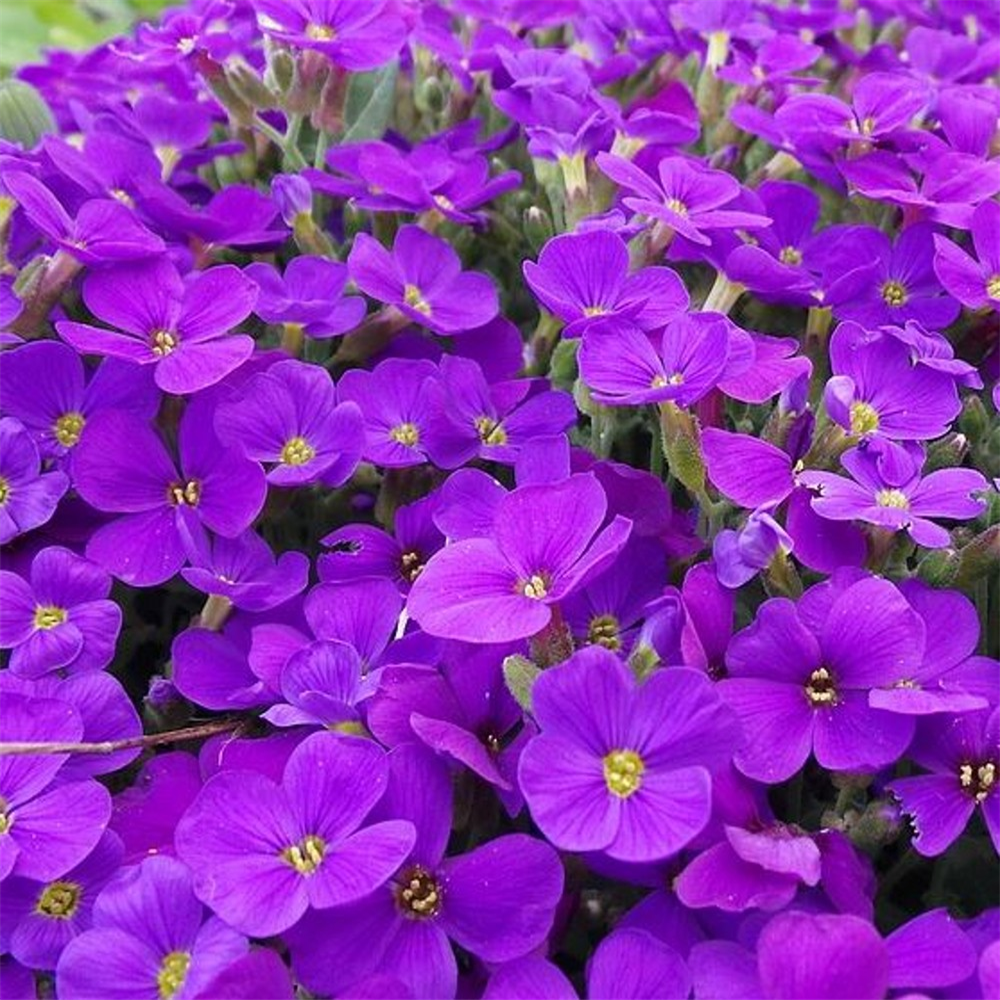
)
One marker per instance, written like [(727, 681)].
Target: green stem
[(295, 159)]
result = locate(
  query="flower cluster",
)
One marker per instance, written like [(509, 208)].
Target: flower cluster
[(499, 499)]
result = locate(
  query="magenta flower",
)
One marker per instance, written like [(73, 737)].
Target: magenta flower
[(263, 853), (799, 679), (886, 489), (690, 199), (288, 418), (975, 282), (124, 468), (154, 938), (582, 276), (28, 496), (61, 619), (423, 278), (308, 296), (502, 587), (622, 767), (962, 754), (180, 326)]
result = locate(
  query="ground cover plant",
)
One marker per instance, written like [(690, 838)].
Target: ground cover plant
[(498, 499)]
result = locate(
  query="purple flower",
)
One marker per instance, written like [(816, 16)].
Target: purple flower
[(355, 36), (153, 939), (103, 231), (124, 468), (800, 677), (180, 326), (395, 401), (887, 489), (263, 853), (28, 496), (622, 767), (41, 918), (45, 386), (309, 297), (975, 282), (689, 198), (498, 588), (897, 282), (244, 570), (581, 276), (258, 975), (61, 619), (47, 826), (404, 928), (621, 366), (423, 278), (288, 418), (740, 555), (876, 389), (962, 754)]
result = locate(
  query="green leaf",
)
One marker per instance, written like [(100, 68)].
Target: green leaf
[(370, 98)]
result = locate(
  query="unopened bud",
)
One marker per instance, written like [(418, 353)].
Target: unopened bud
[(973, 421), (520, 674), (537, 227), (946, 452), (245, 82), (939, 567), (430, 97), (24, 115)]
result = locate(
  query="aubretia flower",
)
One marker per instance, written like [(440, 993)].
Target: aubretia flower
[(962, 754), (799, 679), (740, 555), (975, 282), (181, 327), (47, 826), (288, 418), (546, 541), (581, 276), (44, 385), (103, 231), (263, 853), (423, 278), (355, 37), (124, 468), (690, 198), (623, 767), (153, 939), (893, 495), (41, 918), (28, 496), (309, 297), (404, 928), (621, 366), (61, 618)]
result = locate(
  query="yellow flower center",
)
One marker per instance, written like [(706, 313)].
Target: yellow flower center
[(59, 900), (443, 201), (594, 311), (184, 494), (868, 125), (864, 419), (4, 490), (979, 780), (490, 431), (790, 255), (894, 294), (321, 32), (419, 894), (411, 565), (173, 972), (413, 298), (603, 631), (993, 287), (678, 207), (49, 616), (892, 498), (5, 820), (306, 856), (536, 587), (163, 342), (68, 428), (297, 451), (820, 690), (623, 771), (406, 434)]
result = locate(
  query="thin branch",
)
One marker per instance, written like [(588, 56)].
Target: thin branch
[(113, 746)]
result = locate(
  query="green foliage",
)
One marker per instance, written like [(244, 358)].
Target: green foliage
[(28, 26)]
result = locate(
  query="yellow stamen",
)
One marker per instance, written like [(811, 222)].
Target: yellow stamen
[(536, 587), (163, 342), (59, 900), (864, 419), (894, 294), (307, 856), (406, 434), (413, 298), (49, 616), (623, 771), (419, 894), (603, 631), (892, 498), (820, 690), (173, 972), (68, 428), (790, 255), (297, 451)]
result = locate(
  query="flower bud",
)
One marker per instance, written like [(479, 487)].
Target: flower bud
[(946, 452), (24, 115), (973, 421), (245, 82), (430, 96), (280, 72), (537, 227), (520, 675), (939, 567)]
